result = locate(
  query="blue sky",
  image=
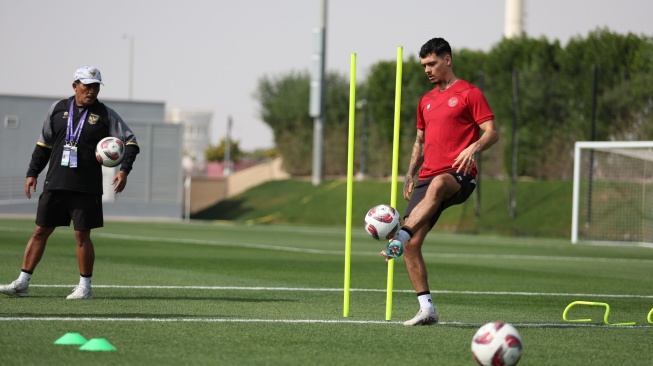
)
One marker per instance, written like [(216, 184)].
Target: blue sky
[(210, 54)]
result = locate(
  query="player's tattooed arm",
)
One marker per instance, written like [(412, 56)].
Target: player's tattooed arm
[(416, 160), (417, 156)]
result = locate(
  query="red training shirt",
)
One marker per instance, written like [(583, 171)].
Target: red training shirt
[(450, 120)]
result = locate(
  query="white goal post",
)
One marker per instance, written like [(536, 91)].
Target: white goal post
[(613, 193)]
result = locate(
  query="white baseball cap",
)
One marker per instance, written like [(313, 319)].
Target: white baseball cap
[(88, 75)]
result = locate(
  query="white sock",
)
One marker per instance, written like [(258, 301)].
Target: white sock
[(402, 236), (24, 277), (85, 281), (425, 302)]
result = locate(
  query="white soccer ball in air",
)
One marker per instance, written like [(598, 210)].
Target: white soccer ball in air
[(110, 151), (497, 343), (382, 222)]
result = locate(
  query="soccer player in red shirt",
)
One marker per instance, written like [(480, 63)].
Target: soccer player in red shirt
[(449, 120)]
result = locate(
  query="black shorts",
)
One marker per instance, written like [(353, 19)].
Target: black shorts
[(58, 208), (467, 186)]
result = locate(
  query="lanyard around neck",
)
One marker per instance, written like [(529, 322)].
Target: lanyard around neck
[(72, 136)]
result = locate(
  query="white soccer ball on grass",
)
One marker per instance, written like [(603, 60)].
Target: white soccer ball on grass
[(497, 343)]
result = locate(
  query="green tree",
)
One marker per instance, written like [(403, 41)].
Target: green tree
[(218, 152), (284, 107), (555, 103), (379, 92), (642, 68), (621, 61)]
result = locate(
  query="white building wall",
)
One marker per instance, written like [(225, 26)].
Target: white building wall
[(197, 132)]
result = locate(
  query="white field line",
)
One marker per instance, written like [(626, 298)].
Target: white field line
[(300, 321), (308, 289), (341, 252), (318, 321)]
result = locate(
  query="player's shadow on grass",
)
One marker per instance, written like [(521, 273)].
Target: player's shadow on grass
[(186, 298), (121, 315), (167, 298), (229, 209)]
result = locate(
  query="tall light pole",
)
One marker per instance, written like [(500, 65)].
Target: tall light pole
[(318, 94), (130, 37), (227, 150)]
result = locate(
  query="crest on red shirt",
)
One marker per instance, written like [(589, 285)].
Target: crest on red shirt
[(453, 101)]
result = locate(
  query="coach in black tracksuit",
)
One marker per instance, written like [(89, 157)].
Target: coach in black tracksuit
[(73, 183)]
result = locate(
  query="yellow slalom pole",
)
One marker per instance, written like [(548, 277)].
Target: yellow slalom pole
[(395, 169), (350, 181)]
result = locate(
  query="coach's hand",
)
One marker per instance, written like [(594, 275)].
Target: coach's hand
[(121, 178), (30, 182)]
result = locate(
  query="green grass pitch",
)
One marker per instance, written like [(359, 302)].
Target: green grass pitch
[(171, 293)]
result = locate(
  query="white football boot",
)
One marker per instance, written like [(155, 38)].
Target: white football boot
[(16, 288), (81, 293), (424, 317)]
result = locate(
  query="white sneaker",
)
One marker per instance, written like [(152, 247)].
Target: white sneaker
[(16, 288), (424, 317), (81, 292)]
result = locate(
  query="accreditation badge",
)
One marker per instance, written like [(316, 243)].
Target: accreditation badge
[(65, 157), (73, 157)]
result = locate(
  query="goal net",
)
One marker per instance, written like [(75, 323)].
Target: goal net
[(613, 193)]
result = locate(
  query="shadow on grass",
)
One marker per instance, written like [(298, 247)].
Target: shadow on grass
[(117, 315), (230, 209), (186, 298), (167, 298)]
